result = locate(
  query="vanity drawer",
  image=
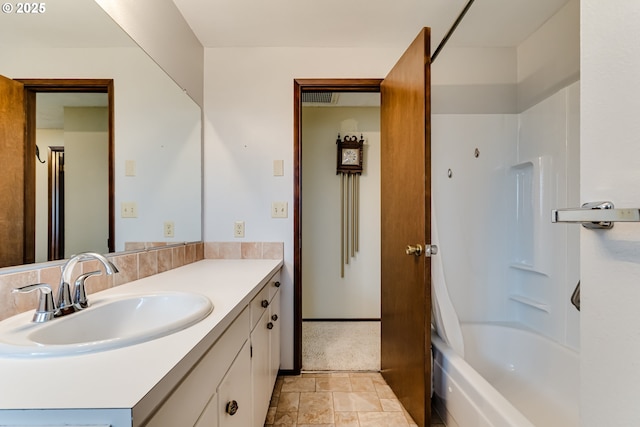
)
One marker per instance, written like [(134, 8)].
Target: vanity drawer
[(259, 304), (274, 285)]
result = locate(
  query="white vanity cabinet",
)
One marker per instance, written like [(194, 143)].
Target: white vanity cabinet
[(196, 377), (265, 339), (231, 385)]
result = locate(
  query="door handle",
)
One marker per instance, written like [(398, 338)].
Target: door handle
[(416, 250), (596, 215)]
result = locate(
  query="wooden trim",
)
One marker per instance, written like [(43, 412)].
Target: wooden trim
[(111, 243), (68, 85), (299, 86), (55, 211), (338, 85), (341, 320), (29, 230), (33, 86)]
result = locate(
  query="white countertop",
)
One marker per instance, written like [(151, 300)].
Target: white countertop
[(121, 378)]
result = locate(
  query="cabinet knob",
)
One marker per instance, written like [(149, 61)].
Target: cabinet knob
[(264, 303), (269, 325), (276, 284), (274, 317), (232, 407)]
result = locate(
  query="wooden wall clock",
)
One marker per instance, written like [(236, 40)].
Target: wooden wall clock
[(349, 167), (349, 154)]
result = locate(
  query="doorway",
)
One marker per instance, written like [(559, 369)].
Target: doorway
[(47, 242), (341, 229), (311, 86)]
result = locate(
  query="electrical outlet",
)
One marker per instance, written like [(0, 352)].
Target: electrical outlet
[(169, 229), (128, 210), (279, 210), (238, 229)]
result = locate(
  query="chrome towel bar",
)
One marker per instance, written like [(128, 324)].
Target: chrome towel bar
[(596, 215)]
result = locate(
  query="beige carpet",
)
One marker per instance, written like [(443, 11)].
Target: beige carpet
[(341, 346)]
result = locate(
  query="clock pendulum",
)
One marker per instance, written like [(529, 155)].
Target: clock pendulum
[(349, 167)]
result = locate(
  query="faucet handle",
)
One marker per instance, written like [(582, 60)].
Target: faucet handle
[(79, 291), (46, 307)]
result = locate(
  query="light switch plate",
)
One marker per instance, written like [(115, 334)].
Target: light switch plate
[(279, 210), (128, 210), (278, 167), (130, 168)]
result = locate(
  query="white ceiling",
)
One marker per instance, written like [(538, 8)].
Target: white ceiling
[(362, 23), (304, 23)]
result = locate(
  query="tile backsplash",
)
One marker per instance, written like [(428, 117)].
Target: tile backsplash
[(145, 259)]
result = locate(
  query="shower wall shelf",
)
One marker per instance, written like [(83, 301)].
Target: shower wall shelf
[(538, 305), (528, 268), (596, 215)]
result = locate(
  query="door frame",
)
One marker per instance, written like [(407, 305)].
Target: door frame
[(300, 86), (55, 208), (31, 88)]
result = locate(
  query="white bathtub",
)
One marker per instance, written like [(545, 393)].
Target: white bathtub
[(510, 377)]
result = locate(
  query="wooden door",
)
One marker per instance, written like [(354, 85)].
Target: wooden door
[(12, 172), (406, 220)]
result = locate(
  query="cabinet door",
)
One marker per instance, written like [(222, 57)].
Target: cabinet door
[(209, 417), (274, 339), (234, 398), (260, 369)]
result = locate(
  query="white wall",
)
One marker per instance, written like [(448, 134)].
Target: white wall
[(609, 166), (177, 51), (156, 125), (543, 267), (472, 208), (550, 58), (325, 294), (86, 180), (474, 81)]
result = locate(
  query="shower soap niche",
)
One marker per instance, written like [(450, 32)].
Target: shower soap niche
[(532, 187)]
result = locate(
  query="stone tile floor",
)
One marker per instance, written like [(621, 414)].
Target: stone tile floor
[(337, 399)]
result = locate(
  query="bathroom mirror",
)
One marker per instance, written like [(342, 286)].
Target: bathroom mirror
[(157, 126)]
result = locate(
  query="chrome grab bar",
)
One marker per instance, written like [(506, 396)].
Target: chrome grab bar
[(596, 215)]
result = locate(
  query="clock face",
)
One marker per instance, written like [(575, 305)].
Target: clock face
[(350, 156)]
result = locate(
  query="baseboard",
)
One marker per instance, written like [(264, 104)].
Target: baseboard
[(289, 372)]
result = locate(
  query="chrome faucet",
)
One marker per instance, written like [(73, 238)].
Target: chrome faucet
[(64, 305)]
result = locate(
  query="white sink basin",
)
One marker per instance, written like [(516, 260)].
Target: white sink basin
[(108, 323)]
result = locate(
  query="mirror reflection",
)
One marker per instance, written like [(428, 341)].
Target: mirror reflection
[(156, 128), (72, 174)]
